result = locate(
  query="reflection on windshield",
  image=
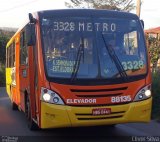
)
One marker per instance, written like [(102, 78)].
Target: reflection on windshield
[(61, 50), (62, 39), (111, 48)]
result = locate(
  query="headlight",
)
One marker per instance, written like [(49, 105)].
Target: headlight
[(143, 93), (50, 97), (46, 97), (148, 93)]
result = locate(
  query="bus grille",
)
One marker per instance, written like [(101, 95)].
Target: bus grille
[(99, 93), (98, 90)]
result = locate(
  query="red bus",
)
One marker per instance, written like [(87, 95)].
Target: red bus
[(69, 68)]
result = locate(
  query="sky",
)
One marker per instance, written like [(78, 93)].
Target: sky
[(13, 12)]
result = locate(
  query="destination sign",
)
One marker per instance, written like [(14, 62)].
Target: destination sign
[(63, 66), (84, 26)]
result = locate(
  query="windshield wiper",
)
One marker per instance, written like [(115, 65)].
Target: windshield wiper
[(116, 60), (76, 66)]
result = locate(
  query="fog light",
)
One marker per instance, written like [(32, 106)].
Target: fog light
[(148, 93), (140, 96), (55, 100), (46, 97), (52, 94)]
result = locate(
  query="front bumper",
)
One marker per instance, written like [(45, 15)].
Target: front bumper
[(54, 116)]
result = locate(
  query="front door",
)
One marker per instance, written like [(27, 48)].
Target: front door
[(23, 69)]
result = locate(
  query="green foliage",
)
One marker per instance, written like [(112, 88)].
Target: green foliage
[(120, 5), (156, 96), (3, 42), (4, 37), (154, 52), (2, 76), (154, 49)]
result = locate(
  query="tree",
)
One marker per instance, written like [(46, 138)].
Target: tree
[(154, 52), (4, 37), (3, 42), (120, 5)]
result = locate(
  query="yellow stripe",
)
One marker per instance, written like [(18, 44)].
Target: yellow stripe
[(8, 80)]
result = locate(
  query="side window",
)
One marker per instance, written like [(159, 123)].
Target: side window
[(7, 57), (10, 56), (12, 53), (23, 49)]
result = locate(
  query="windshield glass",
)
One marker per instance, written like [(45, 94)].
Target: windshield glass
[(101, 47)]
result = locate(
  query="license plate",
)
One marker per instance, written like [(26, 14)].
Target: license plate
[(101, 111)]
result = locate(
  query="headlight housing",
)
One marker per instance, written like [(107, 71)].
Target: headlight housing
[(143, 94), (50, 96)]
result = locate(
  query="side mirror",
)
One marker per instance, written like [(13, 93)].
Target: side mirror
[(32, 19), (30, 31), (30, 34), (142, 22)]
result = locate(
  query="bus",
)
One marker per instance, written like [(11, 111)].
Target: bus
[(79, 67)]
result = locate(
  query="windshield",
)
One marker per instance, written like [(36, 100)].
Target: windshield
[(93, 48)]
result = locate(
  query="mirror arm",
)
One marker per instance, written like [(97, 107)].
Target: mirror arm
[(142, 23)]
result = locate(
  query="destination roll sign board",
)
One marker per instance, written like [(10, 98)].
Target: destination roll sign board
[(83, 26)]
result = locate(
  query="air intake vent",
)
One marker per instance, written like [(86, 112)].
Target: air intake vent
[(99, 95), (89, 116), (100, 118), (99, 90)]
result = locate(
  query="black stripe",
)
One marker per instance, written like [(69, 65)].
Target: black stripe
[(99, 90), (98, 118), (99, 96), (90, 114)]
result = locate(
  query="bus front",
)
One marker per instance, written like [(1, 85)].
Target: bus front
[(97, 68)]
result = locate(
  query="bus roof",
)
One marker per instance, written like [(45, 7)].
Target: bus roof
[(89, 12), (80, 12), (12, 39), (14, 36)]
